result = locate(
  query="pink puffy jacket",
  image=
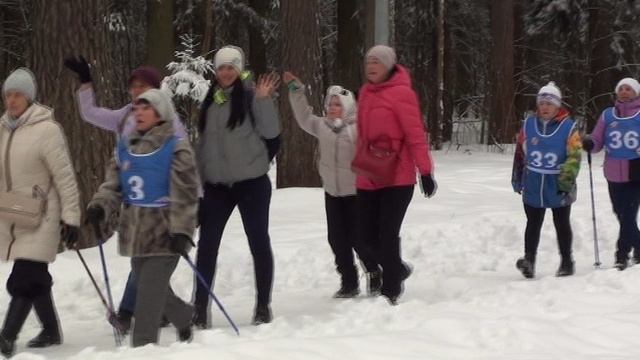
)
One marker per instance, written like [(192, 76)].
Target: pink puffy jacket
[(390, 109)]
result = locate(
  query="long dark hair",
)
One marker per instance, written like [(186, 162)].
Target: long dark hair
[(241, 99)]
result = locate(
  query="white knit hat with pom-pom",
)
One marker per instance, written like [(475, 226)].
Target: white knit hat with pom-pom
[(550, 93)]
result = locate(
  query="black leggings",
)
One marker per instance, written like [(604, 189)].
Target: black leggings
[(252, 198), (535, 218), (380, 216), (625, 198), (342, 234)]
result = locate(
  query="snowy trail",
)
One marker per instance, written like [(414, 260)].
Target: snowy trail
[(465, 299)]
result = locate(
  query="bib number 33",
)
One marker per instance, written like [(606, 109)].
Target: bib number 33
[(547, 161)]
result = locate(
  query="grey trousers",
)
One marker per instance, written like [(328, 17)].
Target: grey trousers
[(155, 297)]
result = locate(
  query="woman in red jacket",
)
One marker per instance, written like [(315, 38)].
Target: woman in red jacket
[(392, 143)]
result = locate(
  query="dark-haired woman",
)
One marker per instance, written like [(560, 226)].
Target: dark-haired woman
[(239, 130)]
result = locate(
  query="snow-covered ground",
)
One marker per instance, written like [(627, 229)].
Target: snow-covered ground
[(465, 299)]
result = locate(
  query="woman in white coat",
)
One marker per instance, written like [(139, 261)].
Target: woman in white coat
[(35, 164)]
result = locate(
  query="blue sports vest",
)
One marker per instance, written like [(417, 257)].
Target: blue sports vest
[(545, 153), (622, 135), (145, 178)]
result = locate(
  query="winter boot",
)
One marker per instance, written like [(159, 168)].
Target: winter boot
[(622, 261), (347, 291), (567, 268), (123, 321), (262, 315), (636, 256), (201, 317), (50, 334), (374, 282), (405, 271), (165, 321), (185, 335), (19, 309), (527, 267)]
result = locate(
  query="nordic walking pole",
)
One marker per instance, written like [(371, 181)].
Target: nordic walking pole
[(112, 314), (593, 215), (96, 229), (204, 284)]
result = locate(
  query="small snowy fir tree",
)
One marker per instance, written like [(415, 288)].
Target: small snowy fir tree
[(187, 79)]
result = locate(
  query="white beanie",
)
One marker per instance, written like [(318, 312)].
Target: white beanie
[(346, 98), (23, 81), (161, 102), (230, 55), (631, 82), (385, 54), (550, 93)]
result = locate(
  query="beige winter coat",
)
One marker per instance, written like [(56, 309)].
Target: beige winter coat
[(337, 146), (36, 153), (144, 231)]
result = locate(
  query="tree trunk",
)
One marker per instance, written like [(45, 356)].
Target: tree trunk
[(350, 52), (502, 124), (437, 135), (603, 73), (300, 52), (207, 39), (82, 32), (257, 44), (160, 38)]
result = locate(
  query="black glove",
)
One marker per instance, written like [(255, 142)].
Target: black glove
[(428, 185), (69, 235), (95, 215), (273, 146), (587, 144), (79, 66), (179, 243)]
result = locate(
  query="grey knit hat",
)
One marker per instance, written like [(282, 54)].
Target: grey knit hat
[(161, 102), (23, 81), (385, 54)]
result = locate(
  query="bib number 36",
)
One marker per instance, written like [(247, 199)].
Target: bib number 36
[(629, 140)]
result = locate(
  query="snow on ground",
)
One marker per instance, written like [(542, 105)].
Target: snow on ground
[(465, 299)]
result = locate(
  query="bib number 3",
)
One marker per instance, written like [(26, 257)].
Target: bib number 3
[(136, 185)]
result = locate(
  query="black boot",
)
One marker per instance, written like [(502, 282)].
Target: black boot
[(50, 334), (349, 287), (185, 335), (405, 271), (375, 282), (527, 267), (566, 268), (347, 291), (19, 309), (622, 261), (262, 315), (201, 318), (123, 321)]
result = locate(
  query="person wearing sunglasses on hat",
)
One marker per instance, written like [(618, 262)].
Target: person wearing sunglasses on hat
[(337, 134)]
